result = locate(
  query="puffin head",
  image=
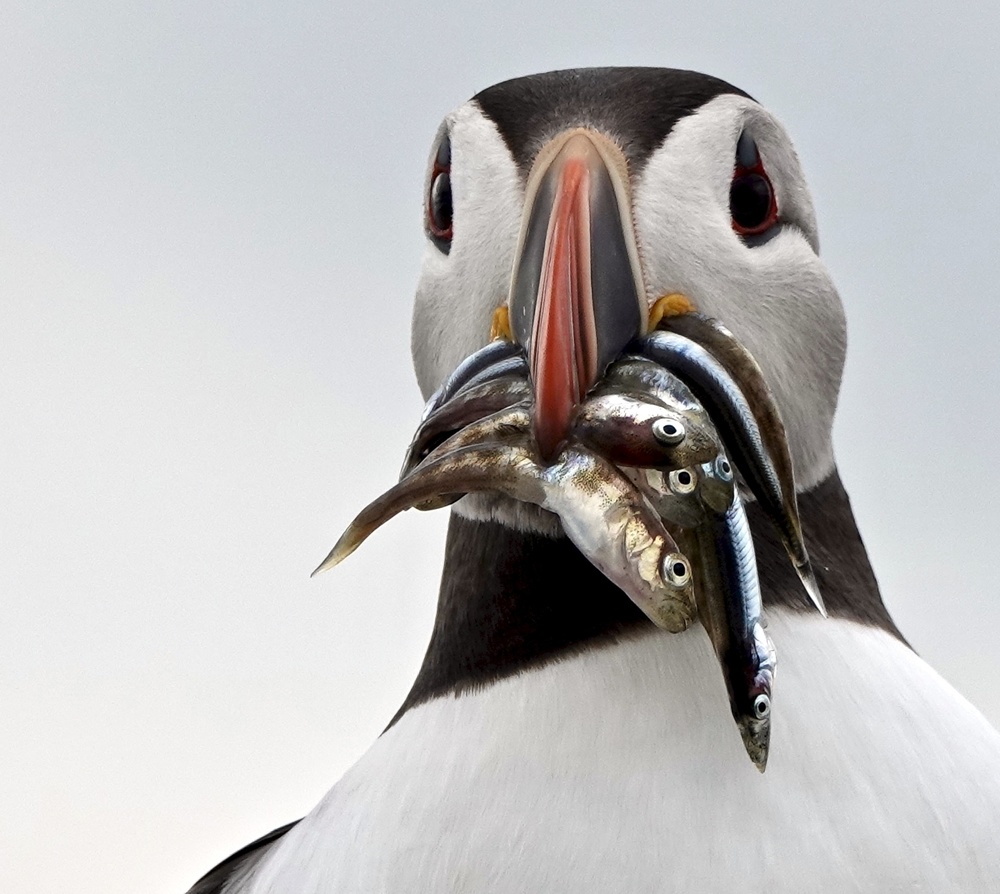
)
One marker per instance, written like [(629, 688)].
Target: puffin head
[(574, 200)]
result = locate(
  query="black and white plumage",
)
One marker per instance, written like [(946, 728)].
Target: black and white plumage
[(554, 740)]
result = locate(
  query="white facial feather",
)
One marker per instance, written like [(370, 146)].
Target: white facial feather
[(459, 291), (777, 297), (881, 778)]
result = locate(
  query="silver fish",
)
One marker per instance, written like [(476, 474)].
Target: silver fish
[(705, 513), (719, 392), (644, 378), (712, 335), (634, 431), (602, 512), (727, 590)]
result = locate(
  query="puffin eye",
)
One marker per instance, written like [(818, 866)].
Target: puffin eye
[(439, 207), (752, 203)]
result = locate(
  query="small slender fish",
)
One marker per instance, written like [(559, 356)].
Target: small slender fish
[(602, 512), (701, 505), (721, 395), (712, 335), (494, 352), (659, 423), (684, 497), (634, 431), (641, 377), (465, 408), (729, 605), (509, 367)]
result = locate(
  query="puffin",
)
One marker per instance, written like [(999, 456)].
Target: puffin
[(554, 739)]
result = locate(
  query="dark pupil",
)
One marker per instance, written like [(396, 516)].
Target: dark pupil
[(441, 202), (684, 477), (750, 200)]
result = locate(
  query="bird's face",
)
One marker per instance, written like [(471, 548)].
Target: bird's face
[(707, 199)]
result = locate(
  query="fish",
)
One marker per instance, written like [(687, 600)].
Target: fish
[(682, 497), (657, 423), (509, 367), (464, 409), (490, 354), (705, 513), (727, 591), (603, 513), (712, 335), (634, 431), (737, 421)]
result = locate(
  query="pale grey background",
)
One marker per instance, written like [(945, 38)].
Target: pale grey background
[(209, 237)]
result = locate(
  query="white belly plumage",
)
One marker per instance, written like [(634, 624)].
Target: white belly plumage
[(620, 769)]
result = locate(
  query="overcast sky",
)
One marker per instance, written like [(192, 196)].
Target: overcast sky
[(210, 234)]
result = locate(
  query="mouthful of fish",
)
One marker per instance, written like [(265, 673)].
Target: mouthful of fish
[(643, 426)]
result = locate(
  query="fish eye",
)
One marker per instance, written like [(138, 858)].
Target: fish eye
[(676, 570), (761, 706), (668, 431), (439, 201), (752, 202), (723, 469), (683, 481)]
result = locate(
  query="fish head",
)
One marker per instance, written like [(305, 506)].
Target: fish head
[(752, 712), (750, 679), (718, 483), (632, 429)]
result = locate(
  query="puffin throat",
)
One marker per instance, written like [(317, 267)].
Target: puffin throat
[(576, 294)]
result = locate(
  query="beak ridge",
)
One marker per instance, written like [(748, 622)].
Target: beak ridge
[(576, 296)]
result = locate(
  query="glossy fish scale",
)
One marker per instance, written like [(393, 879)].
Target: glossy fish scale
[(712, 335), (615, 421)]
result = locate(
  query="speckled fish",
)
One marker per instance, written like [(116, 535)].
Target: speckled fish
[(641, 377), (468, 406), (602, 512), (683, 496), (738, 424)]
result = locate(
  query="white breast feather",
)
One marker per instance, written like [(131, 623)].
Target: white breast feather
[(621, 770)]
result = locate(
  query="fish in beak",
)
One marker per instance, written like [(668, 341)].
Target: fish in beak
[(577, 296)]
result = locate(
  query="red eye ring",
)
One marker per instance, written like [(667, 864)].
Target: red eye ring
[(752, 202), (439, 202)]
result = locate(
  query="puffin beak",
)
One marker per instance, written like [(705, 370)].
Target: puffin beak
[(577, 295)]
